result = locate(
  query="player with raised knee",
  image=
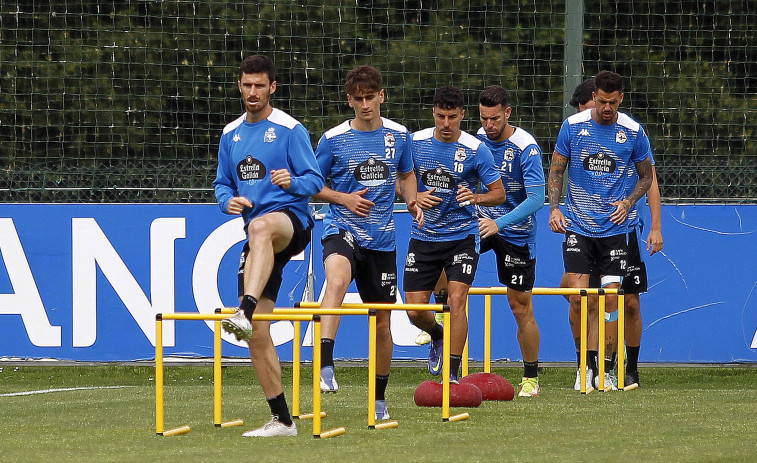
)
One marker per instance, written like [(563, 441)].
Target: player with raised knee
[(363, 158), (266, 172), (509, 229), (600, 147), (449, 164)]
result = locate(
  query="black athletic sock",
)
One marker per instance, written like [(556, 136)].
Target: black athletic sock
[(454, 364), (248, 305), (531, 369), (437, 332), (632, 356), (327, 352), (381, 382), (592, 360), (279, 408), (610, 362)]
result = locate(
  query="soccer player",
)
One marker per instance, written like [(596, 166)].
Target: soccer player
[(449, 164), (266, 172), (364, 158), (600, 148), (510, 228), (636, 280)]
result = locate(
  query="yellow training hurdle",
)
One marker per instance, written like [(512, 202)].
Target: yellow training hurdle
[(314, 307), (584, 293)]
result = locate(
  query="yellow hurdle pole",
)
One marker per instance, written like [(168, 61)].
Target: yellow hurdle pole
[(217, 374), (465, 346), (601, 341), (319, 311), (501, 291), (445, 366), (158, 374), (296, 370), (377, 306), (488, 334), (621, 340), (220, 316), (316, 376), (372, 369), (583, 343)]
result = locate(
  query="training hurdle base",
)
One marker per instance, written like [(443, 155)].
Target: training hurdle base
[(583, 293)]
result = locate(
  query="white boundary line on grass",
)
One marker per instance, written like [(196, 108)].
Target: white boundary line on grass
[(64, 389)]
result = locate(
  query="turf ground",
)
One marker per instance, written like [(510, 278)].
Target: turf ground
[(690, 414)]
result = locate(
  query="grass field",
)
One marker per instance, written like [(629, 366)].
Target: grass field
[(689, 414)]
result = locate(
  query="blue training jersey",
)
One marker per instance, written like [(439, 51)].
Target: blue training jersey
[(520, 164), (356, 160), (247, 153), (600, 157), (444, 166)]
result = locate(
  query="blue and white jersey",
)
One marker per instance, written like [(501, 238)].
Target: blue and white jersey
[(637, 216), (357, 160), (519, 159), (600, 157), (444, 166), (247, 153)]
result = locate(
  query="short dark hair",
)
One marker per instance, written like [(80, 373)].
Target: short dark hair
[(448, 97), (494, 95), (255, 64), (609, 82), (582, 93), (365, 78)]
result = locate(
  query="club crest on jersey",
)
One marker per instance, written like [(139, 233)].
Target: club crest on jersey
[(509, 154), (460, 155), (570, 244), (410, 259), (600, 163), (389, 140), (371, 172), (250, 170), (621, 137), (438, 178), (270, 135)]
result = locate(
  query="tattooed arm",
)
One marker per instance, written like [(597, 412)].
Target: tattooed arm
[(554, 185), (644, 169)]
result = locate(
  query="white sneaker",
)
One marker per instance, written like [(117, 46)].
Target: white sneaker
[(238, 325), (328, 380), (423, 338), (577, 385), (382, 412), (273, 428), (611, 382)]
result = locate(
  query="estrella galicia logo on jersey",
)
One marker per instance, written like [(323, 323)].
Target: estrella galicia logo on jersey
[(270, 135), (509, 154), (371, 172), (438, 178), (250, 169), (621, 137), (389, 140), (599, 162), (460, 155)]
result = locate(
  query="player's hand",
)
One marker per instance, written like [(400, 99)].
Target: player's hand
[(654, 241), (237, 204), (427, 200), (557, 221), (282, 178), (487, 228), (465, 196), (356, 203), (417, 212), (620, 214)]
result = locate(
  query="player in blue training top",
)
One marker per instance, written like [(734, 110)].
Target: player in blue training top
[(599, 147), (510, 228), (364, 157), (449, 164), (266, 172)]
